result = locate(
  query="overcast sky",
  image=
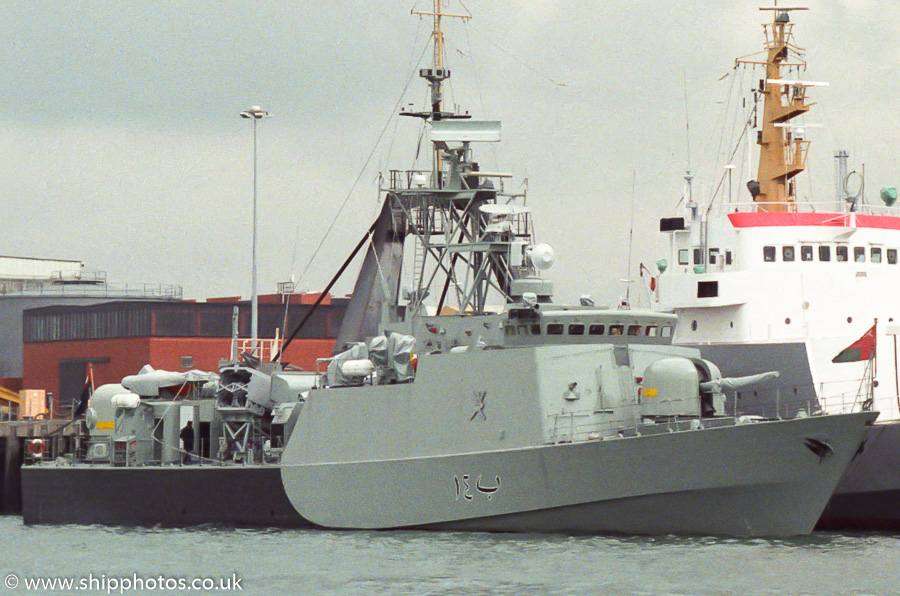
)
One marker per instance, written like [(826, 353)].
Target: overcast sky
[(122, 146)]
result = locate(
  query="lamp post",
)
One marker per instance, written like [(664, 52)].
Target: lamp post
[(255, 113)]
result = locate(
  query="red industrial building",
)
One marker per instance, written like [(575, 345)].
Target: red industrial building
[(118, 338)]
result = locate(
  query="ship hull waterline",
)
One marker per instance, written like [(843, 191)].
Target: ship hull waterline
[(755, 479), (868, 495), (170, 496)]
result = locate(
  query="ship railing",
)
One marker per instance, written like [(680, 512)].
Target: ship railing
[(783, 403), (403, 179), (82, 276), (845, 403), (581, 426), (266, 349), (724, 208), (99, 290)]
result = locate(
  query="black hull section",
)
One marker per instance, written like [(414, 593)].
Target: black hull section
[(868, 496), (175, 496)]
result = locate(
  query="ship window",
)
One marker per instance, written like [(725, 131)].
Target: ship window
[(787, 253), (510, 330), (728, 257), (875, 254), (713, 256), (535, 328), (824, 253), (616, 329), (554, 329), (652, 330), (683, 256), (840, 253), (667, 331), (698, 256), (806, 253), (634, 330), (859, 254), (892, 256), (595, 330), (769, 254), (577, 329), (707, 289)]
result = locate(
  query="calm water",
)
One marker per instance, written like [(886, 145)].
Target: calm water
[(322, 562)]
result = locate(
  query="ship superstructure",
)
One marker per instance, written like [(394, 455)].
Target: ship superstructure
[(787, 283)]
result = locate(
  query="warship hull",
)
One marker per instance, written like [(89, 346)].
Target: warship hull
[(753, 479), (868, 496), (171, 496)]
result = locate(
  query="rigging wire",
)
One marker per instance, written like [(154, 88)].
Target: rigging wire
[(493, 147), (412, 56), (365, 166)]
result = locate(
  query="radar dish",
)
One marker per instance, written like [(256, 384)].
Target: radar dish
[(542, 256)]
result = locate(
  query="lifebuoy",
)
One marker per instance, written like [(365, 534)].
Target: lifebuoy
[(37, 447)]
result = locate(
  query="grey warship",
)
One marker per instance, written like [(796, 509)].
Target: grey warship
[(469, 400)]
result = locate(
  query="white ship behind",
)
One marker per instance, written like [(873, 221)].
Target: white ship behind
[(774, 280)]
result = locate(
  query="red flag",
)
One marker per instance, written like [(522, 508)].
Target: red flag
[(86, 393), (861, 349)]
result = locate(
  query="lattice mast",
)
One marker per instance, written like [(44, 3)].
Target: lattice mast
[(446, 215), (782, 149)]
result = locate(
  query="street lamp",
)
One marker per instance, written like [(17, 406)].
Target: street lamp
[(255, 113)]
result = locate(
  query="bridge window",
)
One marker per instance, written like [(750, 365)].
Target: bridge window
[(859, 254), (554, 329), (769, 254), (824, 253), (634, 330), (840, 253), (667, 331), (728, 257), (595, 330), (713, 256), (806, 253), (535, 328), (652, 330), (787, 253), (698, 256), (875, 254), (577, 329), (616, 329), (683, 256), (892, 256)]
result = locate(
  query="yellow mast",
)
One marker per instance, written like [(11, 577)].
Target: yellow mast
[(782, 153)]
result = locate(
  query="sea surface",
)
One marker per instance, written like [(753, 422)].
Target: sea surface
[(275, 562)]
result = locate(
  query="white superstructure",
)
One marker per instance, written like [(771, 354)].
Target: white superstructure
[(818, 278), (779, 271)]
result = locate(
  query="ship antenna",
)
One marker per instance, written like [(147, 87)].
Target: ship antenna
[(688, 177), (437, 73), (630, 243)]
